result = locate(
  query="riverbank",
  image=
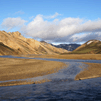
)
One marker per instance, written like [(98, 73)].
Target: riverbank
[(70, 56), (13, 69), (92, 71)]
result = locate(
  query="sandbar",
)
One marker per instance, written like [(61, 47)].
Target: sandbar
[(70, 56), (14, 69), (92, 71)]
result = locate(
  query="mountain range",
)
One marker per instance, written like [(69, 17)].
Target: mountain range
[(13, 43), (69, 47)]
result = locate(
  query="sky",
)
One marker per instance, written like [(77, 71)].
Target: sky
[(54, 21)]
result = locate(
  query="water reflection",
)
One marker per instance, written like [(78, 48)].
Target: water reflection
[(79, 90)]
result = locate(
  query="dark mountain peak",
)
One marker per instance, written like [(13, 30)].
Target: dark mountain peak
[(43, 41), (69, 47)]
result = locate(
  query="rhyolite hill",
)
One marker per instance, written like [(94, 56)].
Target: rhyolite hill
[(90, 47), (13, 43)]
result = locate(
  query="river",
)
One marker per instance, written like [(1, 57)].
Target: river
[(62, 86)]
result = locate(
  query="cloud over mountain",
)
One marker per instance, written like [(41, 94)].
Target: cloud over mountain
[(10, 23), (67, 29)]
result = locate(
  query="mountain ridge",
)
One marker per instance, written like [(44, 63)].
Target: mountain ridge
[(69, 47), (89, 47), (21, 45)]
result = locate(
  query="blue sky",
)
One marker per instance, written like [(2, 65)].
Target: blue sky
[(57, 21)]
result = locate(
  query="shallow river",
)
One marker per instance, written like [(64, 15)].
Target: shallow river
[(62, 86)]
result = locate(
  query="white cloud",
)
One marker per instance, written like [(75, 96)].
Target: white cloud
[(80, 37), (74, 26), (31, 17), (10, 23), (65, 30), (40, 28), (67, 27), (19, 12), (52, 16), (56, 20)]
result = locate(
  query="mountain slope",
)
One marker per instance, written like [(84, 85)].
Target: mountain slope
[(22, 45), (91, 46), (5, 50)]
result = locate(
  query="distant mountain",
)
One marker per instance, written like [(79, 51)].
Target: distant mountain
[(13, 43), (69, 47), (90, 47)]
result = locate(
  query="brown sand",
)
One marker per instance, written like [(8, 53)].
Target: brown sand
[(12, 83), (72, 56), (93, 71), (13, 69)]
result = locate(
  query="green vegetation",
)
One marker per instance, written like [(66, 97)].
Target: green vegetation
[(92, 48), (84, 51)]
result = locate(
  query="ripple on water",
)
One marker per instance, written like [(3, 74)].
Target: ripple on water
[(84, 89), (62, 87)]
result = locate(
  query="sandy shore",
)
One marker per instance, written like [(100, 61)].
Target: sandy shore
[(12, 83), (93, 71), (71, 56), (13, 69)]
